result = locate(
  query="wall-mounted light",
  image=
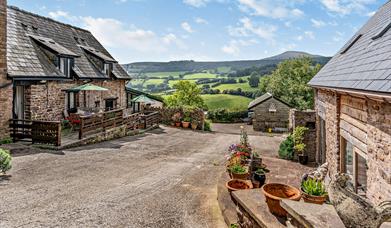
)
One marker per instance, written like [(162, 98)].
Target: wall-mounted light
[(42, 81)]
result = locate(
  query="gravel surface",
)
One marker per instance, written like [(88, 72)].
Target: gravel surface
[(164, 178)]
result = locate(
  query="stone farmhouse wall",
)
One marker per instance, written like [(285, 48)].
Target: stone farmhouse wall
[(366, 124), (47, 101), (263, 119), (5, 84), (306, 119)]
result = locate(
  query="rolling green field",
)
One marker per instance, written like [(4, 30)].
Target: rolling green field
[(226, 101), (165, 74), (244, 86), (200, 76)]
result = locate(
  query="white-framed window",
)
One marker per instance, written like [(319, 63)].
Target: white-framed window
[(272, 107), (71, 100), (64, 65)]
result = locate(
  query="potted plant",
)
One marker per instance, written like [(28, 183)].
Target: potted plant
[(313, 191), (299, 146), (260, 175), (256, 161), (176, 118), (186, 122), (235, 184), (239, 172), (275, 192), (194, 124)]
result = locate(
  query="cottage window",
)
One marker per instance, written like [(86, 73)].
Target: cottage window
[(272, 108), (355, 165), (106, 69), (71, 101), (64, 66), (110, 104)]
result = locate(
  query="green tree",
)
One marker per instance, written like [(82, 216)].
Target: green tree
[(253, 81), (289, 82), (187, 94)]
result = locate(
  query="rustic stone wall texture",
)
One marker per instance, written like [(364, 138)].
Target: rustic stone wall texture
[(47, 101), (5, 84), (263, 119), (366, 124), (306, 119)]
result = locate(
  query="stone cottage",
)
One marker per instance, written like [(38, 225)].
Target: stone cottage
[(40, 59), (267, 112), (353, 105)]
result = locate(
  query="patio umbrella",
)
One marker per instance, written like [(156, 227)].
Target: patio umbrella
[(143, 99), (86, 87)]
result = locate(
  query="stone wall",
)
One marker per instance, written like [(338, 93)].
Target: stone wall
[(263, 119), (5, 84), (366, 124), (306, 119), (47, 101)]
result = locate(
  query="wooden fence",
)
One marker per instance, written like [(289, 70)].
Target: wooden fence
[(150, 119), (40, 132), (132, 121), (100, 122)]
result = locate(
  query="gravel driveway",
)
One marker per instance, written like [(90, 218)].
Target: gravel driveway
[(165, 178)]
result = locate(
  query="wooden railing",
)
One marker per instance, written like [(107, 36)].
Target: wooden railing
[(40, 132), (132, 121), (100, 122), (151, 119)]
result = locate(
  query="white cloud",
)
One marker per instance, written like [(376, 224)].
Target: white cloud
[(173, 39), (186, 26), (344, 7), (61, 14), (338, 37), (318, 23), (247, 28), (370, 14), (196, 3), (277, 9), (233, 47), (309, 34), (113, 33), (299, 38), (200, 20)]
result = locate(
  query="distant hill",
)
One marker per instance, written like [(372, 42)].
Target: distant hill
[(190, 65)]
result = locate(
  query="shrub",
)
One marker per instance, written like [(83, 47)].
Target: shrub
[(226, 116), (207, 126), (313, 187), (5, 161), (238, 169), (286, 150), (5, 141)]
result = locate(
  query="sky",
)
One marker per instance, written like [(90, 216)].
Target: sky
[(210, 30)]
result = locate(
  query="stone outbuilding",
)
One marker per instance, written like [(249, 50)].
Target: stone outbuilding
[(353, 105), (269, 112), (40, 59)]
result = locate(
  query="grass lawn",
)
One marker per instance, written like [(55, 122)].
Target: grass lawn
[(227, 101), (165, 74), (153, 82), (136, 81), (200, 76), (172, 82), (244, 86)]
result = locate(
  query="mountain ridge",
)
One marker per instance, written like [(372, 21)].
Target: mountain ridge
[(191, 65)]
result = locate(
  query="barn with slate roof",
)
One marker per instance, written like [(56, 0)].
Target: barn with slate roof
[(353, 105), (41, 58)]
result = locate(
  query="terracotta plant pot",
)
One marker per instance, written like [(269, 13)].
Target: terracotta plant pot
[(177, 124), (274, 192), (194, 126), (313, 199), (243, 176), (234, 185), (185, 124)]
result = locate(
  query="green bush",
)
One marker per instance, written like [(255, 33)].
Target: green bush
[(207, 126), (5, 161), (5, 141), (238, 169), (226, 116), (286, 150), (313, 187)]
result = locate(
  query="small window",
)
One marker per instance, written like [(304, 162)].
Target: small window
[(382, 31), (71, 101), (355, 165), (106, 68), (65, 66), (110, 104), (352, 42), (272, 108)]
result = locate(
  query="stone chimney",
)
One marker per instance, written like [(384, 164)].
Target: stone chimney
[(5, 84)]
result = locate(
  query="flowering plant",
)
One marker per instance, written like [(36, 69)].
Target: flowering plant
[(238, 150)]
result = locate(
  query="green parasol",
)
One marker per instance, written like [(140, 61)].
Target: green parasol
[(143, 99), (87, 87)]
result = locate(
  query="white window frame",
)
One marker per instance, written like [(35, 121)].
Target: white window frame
[(106, 68), (64, 65)]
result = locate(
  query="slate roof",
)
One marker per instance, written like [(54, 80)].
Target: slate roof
[(366, 63), (263, 98), (28, 34)]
